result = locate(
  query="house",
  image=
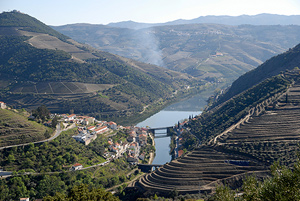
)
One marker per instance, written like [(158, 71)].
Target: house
[(143, 137), (71, 117), (89, 120), (91, 128), (180, 152), (90, 138), (48, 123), (77, 166), (101, 130), (132, 159), (133, 145), (131, 139), (2, 105), (117, 145), (112, 125), (142, 156), (24, 199), (86, 120), (114, 149), (85, 137)]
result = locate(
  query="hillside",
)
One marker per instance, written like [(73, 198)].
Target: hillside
[(213, 52), (38, 66), (17, 129), (241, 137), (280, 63)]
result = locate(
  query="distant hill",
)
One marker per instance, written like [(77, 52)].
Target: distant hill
[(213, 52), (260, 19), (38, 65)]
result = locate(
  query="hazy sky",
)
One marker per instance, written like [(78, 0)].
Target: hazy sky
[(60, 12)]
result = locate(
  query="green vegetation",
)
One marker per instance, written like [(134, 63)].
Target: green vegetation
[(55, 78), (50, 163), (213, 122), (45, 64), (39, 186), (17, 129), (82, 192), (27, 23), (57, 155), (282, 186), (41, 113), (274, 66)]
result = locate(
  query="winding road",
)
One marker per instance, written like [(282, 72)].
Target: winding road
[(56, 134)]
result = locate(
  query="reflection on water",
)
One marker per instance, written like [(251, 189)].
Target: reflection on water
[(166, 118), (162, 141)]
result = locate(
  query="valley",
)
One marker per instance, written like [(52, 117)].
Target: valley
[(66, 75), (211, 52), (126, 72), (250, 146)]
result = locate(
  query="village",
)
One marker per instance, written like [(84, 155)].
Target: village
[(89, 128)]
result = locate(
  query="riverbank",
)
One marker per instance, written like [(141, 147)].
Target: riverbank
[(151, 153), (174, 104)]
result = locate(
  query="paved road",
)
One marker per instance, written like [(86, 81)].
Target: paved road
[(5, 173), (57, 133)]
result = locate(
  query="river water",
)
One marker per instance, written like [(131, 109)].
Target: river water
[(169, 117)]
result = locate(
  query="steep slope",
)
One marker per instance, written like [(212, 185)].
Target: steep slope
[(285, 61), (38, 66), (243, 136), (17, 129), (212, 52)]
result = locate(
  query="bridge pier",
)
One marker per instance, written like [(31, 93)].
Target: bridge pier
[(148, 167)]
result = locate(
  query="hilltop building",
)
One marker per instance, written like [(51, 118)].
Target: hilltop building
[(2, 105)]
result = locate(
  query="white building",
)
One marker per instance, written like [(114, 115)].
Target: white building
[(2, 105)]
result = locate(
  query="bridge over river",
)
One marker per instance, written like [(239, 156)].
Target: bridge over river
[(168, 129)]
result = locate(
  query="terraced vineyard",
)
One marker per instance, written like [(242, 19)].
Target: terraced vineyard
[(198, 171), (16, 129), (270, 133)]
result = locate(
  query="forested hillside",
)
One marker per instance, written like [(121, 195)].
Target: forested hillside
[(41, 66)]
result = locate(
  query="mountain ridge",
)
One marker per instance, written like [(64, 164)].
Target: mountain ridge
[(56, 72), (211, 52), (259, 19)]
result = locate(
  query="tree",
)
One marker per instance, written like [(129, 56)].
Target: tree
[(54, 122), (42, 113), (83, 192), (224, 193), (282, 186), (11, 158)]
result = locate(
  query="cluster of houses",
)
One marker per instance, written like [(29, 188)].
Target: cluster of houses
[(137, 137), (88, 127)]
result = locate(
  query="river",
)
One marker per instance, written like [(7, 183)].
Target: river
[(169, 117)]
